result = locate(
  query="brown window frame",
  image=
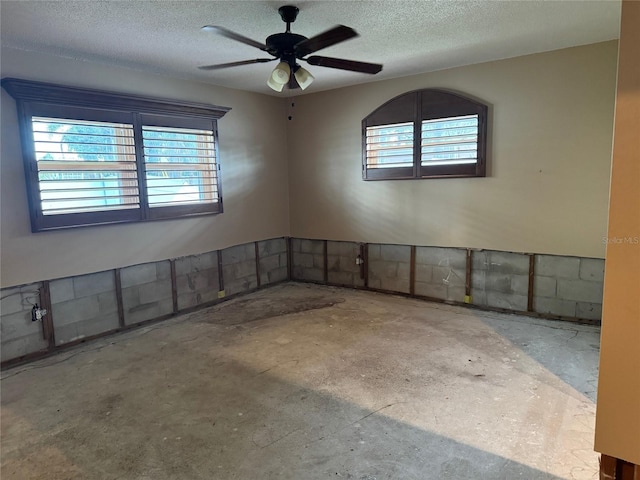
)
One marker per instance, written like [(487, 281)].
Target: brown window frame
[(415, 107), (39, 99)]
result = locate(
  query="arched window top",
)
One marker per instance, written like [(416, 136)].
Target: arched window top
[(428, 133)]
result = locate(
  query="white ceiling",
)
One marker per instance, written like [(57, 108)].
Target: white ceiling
[(407, 37)]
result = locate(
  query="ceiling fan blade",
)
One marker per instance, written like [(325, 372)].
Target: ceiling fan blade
[(236, 64), (342, 64), (337, 34), (234, 36)]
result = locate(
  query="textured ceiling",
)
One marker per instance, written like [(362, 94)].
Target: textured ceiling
[(407, 37)]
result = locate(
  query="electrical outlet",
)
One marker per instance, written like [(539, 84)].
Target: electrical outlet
[(221, 294)]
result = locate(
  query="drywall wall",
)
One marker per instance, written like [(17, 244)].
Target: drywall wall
[(551, 118), (618, 412), (253, 156)]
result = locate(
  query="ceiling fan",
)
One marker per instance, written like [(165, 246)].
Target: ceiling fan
[(290, 47)]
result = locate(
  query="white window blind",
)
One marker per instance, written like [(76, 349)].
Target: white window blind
[(85, 166), (389, 146), (180, 166), (450, 141)]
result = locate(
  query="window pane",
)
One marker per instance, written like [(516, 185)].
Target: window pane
[(181, 166), (84, 166), (390, 145), (450, 141)]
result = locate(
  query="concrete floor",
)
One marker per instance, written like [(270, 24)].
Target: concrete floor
[(309, 382)]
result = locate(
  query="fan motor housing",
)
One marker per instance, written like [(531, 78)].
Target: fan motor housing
[(281, 44)]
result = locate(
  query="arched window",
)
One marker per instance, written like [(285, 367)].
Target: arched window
[(425, 134)]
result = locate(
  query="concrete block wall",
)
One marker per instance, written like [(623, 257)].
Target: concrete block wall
[(197, 279), (389, 267), (83, 306), (239, 268), (341, 264), (272, 255), (568, 286), (500, 279), (441, 273), (20, 336), (307, 259), (146, 291)]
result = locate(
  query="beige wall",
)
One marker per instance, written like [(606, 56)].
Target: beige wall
[(550, 158), (618, 412), (254, 179)]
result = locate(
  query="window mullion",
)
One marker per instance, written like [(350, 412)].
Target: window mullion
[(142, 171)]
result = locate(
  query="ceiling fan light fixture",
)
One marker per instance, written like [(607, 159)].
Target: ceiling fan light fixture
[(303, 77), (275, 86), (281, 73)]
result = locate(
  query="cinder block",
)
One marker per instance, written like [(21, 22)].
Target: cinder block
[(394, 284), (154, 292), (238, 253), (163, 270), (554, 306), (592, 269), (520, 284), (277, 275), (107, 302), (204, 261), (509, 301), (455, 294), (478, 279), (312, 246), (240, 285), (341, 278), (183, 266), (296, 244), (271, 247), (590, 311), (20, 346), (478, 297), (444, 257), (130, 297), (104, 323), (431, 290), (138, 274), (580, 290), (18, 324), (344, 249), (496, 282), (510, 263), (382, 269), (304, 260), (61, 290), (94, 283), (374, 251), (423, 273), (18, 299), (283, 259), (395, 253), (318, 261), (544, 286), (309, 274), (557, 266), (404, 270), (479, 260), (76, 310), (448, 276), (148, 311), (269, 263)]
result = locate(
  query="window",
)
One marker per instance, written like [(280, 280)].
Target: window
[(95, 157), (425, 134)]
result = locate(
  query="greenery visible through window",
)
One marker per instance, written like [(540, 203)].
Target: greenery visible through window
[(425, 134), (95, 157)]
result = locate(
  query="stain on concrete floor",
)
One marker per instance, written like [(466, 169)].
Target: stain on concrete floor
[(372, 387)]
